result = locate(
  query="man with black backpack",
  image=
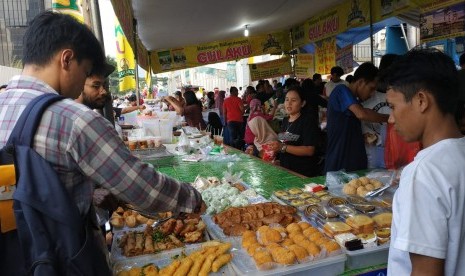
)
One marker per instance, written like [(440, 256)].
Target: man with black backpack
[(80, 146)]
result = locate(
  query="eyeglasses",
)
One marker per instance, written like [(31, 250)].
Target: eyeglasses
[(98, 87)]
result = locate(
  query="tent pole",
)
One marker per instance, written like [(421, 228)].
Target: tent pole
[(371, 32), (405, 36), (136, 70)]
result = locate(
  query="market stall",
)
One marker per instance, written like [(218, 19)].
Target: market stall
[(240, 186)]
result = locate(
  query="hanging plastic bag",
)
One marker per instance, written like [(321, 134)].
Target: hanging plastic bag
[(397, 152)]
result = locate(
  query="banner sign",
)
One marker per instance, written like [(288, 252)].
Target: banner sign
[(124, 60), (345, 58), (325, 55), (304, 66), (270, 69), (441, 23), (208, 53), (71, 7)]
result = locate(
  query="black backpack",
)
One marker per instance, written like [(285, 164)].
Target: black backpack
[(53, 237)]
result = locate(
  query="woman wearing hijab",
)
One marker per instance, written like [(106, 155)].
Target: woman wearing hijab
[(256, 110), (262, 131)]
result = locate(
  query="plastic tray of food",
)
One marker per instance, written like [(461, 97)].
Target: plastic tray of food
[(163, 259), (243, 264), (118, 254), (301, 199)]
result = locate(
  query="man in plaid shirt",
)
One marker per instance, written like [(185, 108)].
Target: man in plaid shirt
[(83, 147)]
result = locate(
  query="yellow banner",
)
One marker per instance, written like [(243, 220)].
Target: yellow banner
[(304, 66), (124, 60), (325, 55), (270, 69), (71, 7), (208, 53)]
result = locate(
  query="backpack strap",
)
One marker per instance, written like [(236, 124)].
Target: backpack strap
[(25, 128)]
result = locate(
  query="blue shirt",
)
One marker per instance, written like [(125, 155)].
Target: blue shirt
[(346, 147)]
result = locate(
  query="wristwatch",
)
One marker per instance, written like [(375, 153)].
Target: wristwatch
[(283, 148)]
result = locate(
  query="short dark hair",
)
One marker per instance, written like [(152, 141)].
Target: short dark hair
[(428, 70), (233, 90), (366, 71), (337, 70), (50, 32), (3, 86), (316, 76)]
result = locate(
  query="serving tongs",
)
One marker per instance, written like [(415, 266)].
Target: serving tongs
[(377, 191), (150, 215)]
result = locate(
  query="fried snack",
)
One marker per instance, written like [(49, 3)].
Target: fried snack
[(300, 252), (139, 248), (376, 183), (349, 190), (304, 225), (198, 261), (369, 187), (282, 255), (270, 235), (220, 261), (140, 219), (309, 231), (184, 268), (331, 246), (298, 238), (293, 227), (362, 191), (248, 234), (150, 222), (364, 180), (315, 236), (193, 237), (321, 241), (287, 242), (149, 270), (262, 257), (170, 269), (312, 248), (130, 221), (119, 210), (135, 271), (117, 222), (253, 248), (248, 239), (305, 195), (127, 214), (207, 265), (129, 248), (148, 245)]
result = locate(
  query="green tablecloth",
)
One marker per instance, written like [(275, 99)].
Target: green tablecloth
[(263, 177)]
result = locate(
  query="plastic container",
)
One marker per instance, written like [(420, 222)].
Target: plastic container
[(159, 128), (164, 259), (243, 264), (367, 257), (131, 118)]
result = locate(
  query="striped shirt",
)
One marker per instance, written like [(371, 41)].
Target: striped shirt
[(85, 150)]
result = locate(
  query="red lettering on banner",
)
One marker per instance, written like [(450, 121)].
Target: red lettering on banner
[(329, 26), (231, 54)]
